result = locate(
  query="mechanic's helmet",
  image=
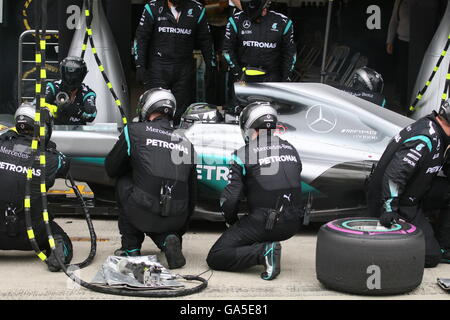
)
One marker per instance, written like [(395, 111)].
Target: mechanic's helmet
[(254, 8), (200, 112), (156, 100), (444, 111), (257, 115), (366, 79), (73, 70), (25, 120)]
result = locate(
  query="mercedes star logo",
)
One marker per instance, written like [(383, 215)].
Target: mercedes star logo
[(321, 119), (246, 24)]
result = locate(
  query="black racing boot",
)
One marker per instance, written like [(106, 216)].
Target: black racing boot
[(272, 260), (172, 250), (127, 252), (63, 250), (445, 256)]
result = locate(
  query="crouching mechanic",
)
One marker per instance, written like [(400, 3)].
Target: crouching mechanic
[(72, 102), (156, 176), (15, 158), (404, 175), (267, 169)]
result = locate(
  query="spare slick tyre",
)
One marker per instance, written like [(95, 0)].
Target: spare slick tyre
[(358, 255)]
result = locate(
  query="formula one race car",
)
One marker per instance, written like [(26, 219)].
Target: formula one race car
[(339, 137)]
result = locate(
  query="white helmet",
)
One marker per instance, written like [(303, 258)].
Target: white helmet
[(156, 100)]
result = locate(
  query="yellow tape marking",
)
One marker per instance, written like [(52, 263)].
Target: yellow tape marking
[(30, 234), (42, 256)]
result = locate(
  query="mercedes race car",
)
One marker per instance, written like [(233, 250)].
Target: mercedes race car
[(339, 138)]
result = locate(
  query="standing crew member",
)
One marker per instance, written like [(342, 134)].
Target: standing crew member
[(260, 38), (15, 158), (165, 39), (156, 176), (74, 102), (404, 175), (267, 169)]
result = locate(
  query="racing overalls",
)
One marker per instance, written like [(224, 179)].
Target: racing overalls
[(164, 48), (156, 177), (404, 175), (267, 171), (15, 158), (80, 108), (266, 43)]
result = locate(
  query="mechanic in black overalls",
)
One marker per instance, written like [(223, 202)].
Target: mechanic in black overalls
[(367, 84), (399, 186), (165, 39), (156, 177), (15, 158), (267, 171), (72, 102), (260, 38)]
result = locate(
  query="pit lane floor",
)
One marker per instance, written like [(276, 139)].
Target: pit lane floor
[(23, 276)]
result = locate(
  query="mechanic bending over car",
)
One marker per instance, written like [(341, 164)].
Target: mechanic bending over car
[(71, 101), (166, 36), (367, 84), (156, 178), (15, 156), (400, 184), (267, 170), (260, 38)]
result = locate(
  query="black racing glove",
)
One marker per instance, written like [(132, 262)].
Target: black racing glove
[(387, 219), (68, 110)]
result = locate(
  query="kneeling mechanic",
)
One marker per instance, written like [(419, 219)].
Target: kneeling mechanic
[(156, 177), (15, 158), (267, 170)]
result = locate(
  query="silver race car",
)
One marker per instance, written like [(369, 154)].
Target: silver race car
[(338, 136)]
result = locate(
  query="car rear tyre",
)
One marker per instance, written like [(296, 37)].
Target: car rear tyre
[(357, 255)]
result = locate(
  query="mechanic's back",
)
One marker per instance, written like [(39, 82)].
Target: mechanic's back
[(267, 170)]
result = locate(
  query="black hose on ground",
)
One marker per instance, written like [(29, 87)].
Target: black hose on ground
[(87, 216)]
